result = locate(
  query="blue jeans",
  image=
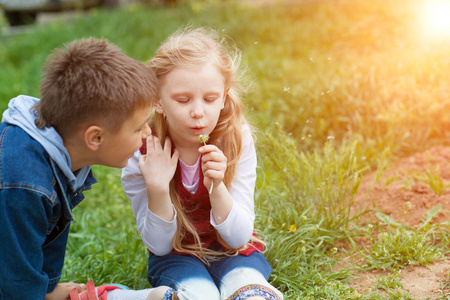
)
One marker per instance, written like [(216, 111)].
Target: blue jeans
[(194, 280)]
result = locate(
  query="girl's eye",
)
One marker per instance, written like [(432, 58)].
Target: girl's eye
[(211, 99), (182, 100)]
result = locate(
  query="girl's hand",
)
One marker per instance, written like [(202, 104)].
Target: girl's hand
[(214, 165), (158, 166), (62, 290)]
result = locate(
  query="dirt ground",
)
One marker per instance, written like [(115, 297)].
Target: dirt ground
[(391, 194)]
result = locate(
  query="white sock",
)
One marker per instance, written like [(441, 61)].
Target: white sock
[(128, 294)]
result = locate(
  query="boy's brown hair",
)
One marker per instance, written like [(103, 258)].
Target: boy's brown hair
[(91, 81)]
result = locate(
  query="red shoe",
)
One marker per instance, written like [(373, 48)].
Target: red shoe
[(93, 293)]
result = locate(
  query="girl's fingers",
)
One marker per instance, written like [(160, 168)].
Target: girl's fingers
[(175, 155), (214, 156), (208, 148), (214, 175), (168, 150), (208, 183), (213, 165), (153, 144), (156, 143), (156, 152), (168, 145), (150, 143)]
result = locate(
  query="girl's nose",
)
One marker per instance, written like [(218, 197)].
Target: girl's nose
[(197, 112)]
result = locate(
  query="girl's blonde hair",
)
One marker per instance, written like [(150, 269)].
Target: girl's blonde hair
[(189, 48)]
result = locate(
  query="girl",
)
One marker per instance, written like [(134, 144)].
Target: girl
[(193, 201)]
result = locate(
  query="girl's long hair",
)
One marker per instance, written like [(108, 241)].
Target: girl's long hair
[(190, 48)]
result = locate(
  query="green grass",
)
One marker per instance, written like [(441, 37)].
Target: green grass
[(340, 87), (432, 178), (104, 243)]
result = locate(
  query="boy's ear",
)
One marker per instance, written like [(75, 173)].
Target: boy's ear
[(158, 107), (93, 137)]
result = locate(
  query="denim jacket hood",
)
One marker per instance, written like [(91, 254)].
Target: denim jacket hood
[(20, 112)]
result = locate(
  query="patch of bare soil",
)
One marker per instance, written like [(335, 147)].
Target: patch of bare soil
[(404, 192), (422, 282)]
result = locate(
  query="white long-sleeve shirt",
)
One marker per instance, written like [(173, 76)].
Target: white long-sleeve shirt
[(237, 229)]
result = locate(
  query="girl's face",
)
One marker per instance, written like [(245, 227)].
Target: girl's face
[(191, 100)]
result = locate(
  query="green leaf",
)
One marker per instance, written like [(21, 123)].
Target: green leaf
[(387, 220), (430, 215)]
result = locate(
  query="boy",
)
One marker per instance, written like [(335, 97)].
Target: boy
[(94, 109)]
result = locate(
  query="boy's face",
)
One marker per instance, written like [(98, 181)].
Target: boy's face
[(118, 147)]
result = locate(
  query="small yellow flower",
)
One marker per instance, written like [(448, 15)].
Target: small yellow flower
[(383, 235), (203, 139), (293, 228)]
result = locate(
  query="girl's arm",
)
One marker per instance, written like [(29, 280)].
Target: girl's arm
[(235, 215), (156, 232)]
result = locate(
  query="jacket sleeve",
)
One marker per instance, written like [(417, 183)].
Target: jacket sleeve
[(156, 233), (237, 229), (23, 222)]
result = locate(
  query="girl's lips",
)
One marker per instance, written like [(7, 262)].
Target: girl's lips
[(198, 130)]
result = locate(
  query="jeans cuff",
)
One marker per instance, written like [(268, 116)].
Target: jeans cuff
[(254, 290), (170, 294)]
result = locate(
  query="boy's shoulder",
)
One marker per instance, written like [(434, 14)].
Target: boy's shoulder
[(23, 160), (13, 137)]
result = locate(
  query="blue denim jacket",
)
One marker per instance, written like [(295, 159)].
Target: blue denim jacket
[(35, 213)]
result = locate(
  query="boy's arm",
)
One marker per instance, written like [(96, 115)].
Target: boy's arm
[(156, 233), (24, 225)]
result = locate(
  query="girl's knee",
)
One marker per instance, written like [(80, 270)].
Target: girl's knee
[(187, 290), (192, 293)]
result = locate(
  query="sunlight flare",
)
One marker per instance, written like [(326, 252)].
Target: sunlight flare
[(436, 18)]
